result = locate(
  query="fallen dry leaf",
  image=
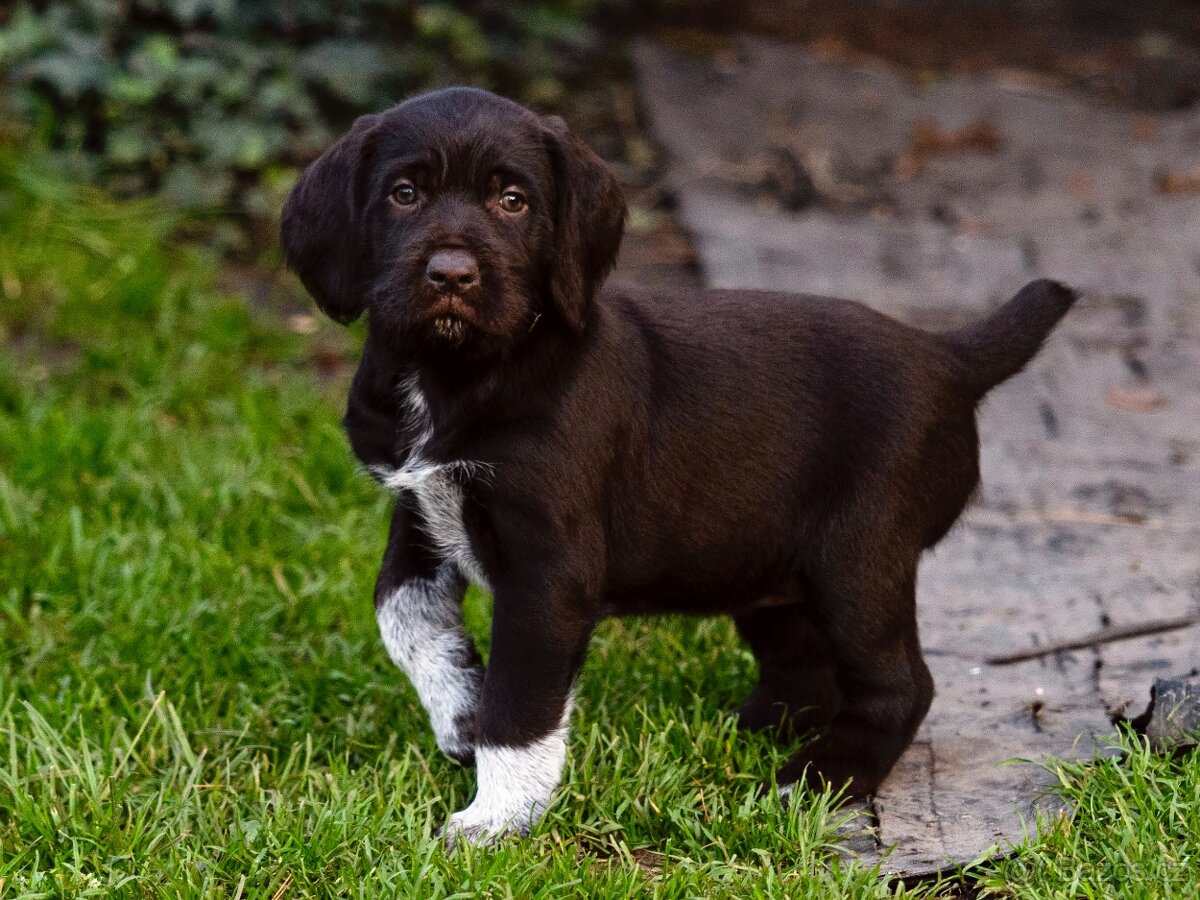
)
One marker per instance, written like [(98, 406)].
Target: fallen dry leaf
[(327, 361), (1135, 400), (1174, 183), (1143, 129), (907, 165), (1080, 183), (929, 139)]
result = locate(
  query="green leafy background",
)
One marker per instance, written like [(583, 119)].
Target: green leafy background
[(212, 104)]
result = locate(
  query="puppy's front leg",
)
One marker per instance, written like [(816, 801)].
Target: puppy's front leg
[(418, 605), (539, 637)]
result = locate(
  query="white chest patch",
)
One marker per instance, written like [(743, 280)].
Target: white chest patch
[(438, 489)]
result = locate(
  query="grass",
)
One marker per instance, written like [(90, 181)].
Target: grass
[(193, 697)]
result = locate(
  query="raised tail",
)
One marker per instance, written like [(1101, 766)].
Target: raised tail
[(998, 347)]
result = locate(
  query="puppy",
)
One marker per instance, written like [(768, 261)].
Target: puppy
[(581, 453)]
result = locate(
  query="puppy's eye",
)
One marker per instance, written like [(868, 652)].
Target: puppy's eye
[(404, 194), (512, 200)]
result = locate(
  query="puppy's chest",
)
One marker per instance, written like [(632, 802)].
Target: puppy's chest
[(438, 489)]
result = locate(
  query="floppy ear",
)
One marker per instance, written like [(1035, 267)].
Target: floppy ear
[(588, 223), (321, 230)]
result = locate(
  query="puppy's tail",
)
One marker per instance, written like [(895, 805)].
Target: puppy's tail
[(998, 347)]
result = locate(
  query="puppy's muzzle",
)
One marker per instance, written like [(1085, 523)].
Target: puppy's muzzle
[(452, 276)]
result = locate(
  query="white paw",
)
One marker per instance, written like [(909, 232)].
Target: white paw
[(482, 827), (515, 784)]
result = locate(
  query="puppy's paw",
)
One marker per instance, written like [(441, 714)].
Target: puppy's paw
[(482, 827), (815, 769)]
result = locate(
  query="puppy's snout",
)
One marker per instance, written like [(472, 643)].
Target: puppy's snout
[(452, 270)]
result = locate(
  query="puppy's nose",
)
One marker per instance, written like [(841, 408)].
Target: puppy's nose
[(452, 270)]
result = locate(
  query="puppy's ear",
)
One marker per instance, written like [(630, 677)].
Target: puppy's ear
[(322, 234), (588, 223)]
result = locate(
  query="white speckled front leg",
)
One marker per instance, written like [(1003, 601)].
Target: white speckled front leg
[(421, 625), (540, 628)]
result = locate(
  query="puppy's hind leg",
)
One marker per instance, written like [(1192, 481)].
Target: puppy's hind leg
[(866, 606), (797, 690)]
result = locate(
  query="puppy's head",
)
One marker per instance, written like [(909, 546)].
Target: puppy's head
[(455, 219)]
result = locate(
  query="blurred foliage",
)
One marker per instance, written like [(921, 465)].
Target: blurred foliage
[(81, 275), (213, 103)]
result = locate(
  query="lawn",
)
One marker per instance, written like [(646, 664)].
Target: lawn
[(193, 697)]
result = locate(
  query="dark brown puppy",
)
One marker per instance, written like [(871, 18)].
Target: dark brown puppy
[(782, 459)]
